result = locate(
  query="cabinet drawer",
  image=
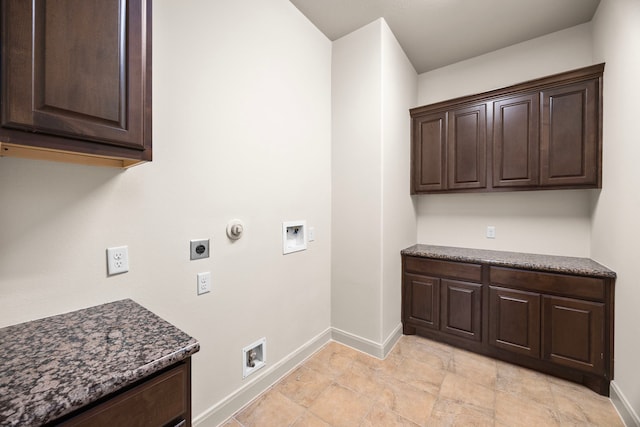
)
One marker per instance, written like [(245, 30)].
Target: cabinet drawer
[(455, 270), (549, 283), (157, 402)]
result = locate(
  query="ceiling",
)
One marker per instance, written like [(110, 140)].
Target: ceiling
[(435, 33)]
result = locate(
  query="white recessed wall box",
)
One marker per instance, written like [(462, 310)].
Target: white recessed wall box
[(294, 236), (254, 357)]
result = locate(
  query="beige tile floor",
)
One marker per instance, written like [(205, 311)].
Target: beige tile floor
[(421, 383)]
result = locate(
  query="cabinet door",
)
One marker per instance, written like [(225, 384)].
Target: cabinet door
[(569, 150), (514, 320), (422, 301), (79, 70), (466, 146), (515, 141), (573, 333), (429, 153), (461, 308)]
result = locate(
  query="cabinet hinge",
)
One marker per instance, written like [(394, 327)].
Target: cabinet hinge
[(601, 355)]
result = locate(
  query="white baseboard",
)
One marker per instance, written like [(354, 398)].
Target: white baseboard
[(392, 339), (365, 345), (221, 411), (628, 415)]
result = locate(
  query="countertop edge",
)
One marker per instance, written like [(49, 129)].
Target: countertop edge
[(529, 261)]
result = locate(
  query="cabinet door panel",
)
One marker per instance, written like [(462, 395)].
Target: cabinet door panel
[(514, 321), (461, 309), (573, 333), (466, 140), (569, 139), (515, 141), (429, 153), (78, 71), (422, 301)]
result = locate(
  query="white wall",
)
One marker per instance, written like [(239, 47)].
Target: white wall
[(615, 235), (554, 53), (550, 222), (357, 181), (373, 217), (399, 91), (242, 129)]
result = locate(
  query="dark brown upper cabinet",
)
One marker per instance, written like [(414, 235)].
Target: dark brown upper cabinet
[(466, 144), (569, 143), (76, 81), (515, 141), (429, 152), (541, 134)]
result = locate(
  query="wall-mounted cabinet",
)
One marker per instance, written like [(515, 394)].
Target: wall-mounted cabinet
[(542, 134), (76, 81)]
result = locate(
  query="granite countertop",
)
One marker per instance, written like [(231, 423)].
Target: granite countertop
[(551, 263), (53, 366)]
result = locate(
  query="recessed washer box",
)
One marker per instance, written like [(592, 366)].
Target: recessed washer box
[(294, 236), (254, 357)]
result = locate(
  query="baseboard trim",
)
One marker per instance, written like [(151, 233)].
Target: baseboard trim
[(628, 415), (359, 343), (365, 345), (221, 411), (391, 340)]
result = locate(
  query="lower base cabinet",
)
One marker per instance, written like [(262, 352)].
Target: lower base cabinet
[(559, 324), (162, 400), (422, 294), (573, 332), (514, 321), (461, 309)]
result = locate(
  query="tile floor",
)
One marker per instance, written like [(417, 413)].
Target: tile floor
[(421, 383)]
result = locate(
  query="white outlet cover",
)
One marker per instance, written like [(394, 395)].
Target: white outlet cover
[(204, 283), (117, 260)]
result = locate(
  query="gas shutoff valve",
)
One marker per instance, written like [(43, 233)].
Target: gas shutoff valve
[(235, 228)]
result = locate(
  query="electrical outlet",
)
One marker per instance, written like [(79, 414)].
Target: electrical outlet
[(491, 232), (199, 249), (117, 260), (204, 283)]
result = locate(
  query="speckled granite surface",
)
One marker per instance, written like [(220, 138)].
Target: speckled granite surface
[(556, 264), (52, 366)]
